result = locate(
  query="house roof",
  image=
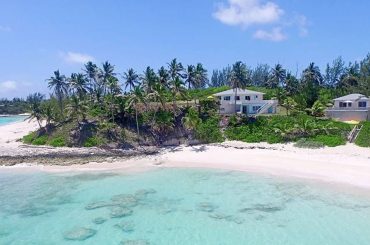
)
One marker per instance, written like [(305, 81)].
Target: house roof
[(352, 97), (239, 92)]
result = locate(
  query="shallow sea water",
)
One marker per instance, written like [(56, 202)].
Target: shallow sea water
[(176, 206), (12, 119)]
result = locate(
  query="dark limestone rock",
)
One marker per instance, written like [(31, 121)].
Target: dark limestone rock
[(119, 212), (79, 234)]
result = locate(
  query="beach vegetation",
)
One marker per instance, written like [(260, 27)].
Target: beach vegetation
[(308, 144), (99, 106), (363, 139)]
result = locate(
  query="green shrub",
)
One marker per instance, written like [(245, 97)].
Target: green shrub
[(93, 141), (41, 140), (27, 139), (308, 144), (57, 142), (330, 140), (363, 139), (209, 131)]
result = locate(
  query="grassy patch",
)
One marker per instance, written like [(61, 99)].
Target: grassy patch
[(93, 141), (41, 140), (330, 140), (57, 142), (308, 144), (27, 139), (363, 138)]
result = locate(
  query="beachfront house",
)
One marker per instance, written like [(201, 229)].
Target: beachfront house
[(246, 102), (352, 107)]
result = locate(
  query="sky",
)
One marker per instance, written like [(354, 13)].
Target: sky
[(40, 36)]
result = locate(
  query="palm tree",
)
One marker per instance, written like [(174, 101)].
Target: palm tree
[(175, 69), (77, 108), (238, 78), (131, 79), (191, 120), (60, 86), (134, 98), (79, 85), (163, 76), (93, 74), (149, 79), (312, 74), (106, 74), (114, 90), (311, 80), (201, 76), (34, 101), (190, 76), (158, 94), (289, 104), (277, 76), (177, 89)]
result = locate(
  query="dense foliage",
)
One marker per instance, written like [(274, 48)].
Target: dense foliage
[(100, 106), (281, 129), (363, 139), (13, 107)]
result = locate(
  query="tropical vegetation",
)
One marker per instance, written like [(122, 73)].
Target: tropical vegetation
[(102, 106)]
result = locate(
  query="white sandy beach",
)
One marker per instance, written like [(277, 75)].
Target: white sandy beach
[(348, 164)]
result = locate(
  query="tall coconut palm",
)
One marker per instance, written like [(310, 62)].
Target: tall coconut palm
[(107, 73), (312, 74), (131, 79), (177, 89), (175, 69), (113, 89), (134, 98), (163, 76), (201, 76), (149, 79), (239, 78), (76, 109), (34, 101), (277, 76), (92, 73), (190, 76), (60, 86), (79, 85), (191, 120), (311, 81)]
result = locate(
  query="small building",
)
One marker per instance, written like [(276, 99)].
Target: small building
[(247, 102), (352, 107)]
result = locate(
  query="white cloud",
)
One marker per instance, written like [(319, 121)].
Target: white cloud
[(8, 86), (72, 57), (248, 12), (275, 35), (302, 23), (5, 28)]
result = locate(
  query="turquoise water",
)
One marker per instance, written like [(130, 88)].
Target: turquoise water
[(7, 120), (176, 206)]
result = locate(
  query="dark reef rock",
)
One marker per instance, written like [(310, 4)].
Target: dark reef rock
[(119, 212), (79, 234)]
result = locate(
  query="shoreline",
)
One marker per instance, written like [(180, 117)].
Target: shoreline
[(344, 165)]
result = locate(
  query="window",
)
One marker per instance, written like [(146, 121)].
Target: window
[(247, 98), (362, 104), (238, 108), (256, 97), (349, 104), (237, 97), (256, 108), (342, 104), (227, 98)]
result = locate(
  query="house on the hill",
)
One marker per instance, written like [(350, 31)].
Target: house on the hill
[(247, 102), (352, 107)]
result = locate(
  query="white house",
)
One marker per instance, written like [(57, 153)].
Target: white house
[(350, 107), (247, 102)]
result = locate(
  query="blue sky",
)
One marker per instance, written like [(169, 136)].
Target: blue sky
[(40, 36)]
